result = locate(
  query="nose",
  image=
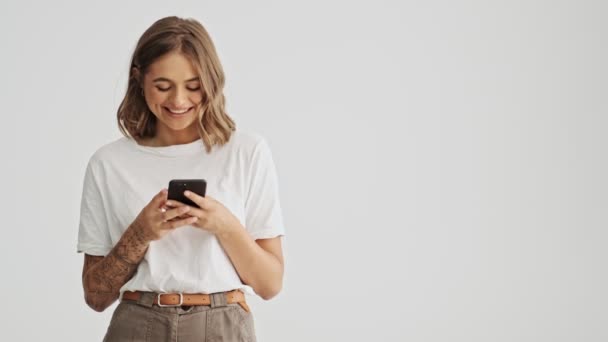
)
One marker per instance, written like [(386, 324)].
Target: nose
[(179, 98)]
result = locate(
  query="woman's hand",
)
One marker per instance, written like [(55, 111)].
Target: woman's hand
[(212, 216), (154, 221)]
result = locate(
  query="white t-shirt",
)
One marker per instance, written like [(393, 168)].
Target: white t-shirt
[(122, 177)]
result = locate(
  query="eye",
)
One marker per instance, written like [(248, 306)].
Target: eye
[(194, 89), (162, 89)]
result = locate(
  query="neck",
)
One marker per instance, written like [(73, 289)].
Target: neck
[(168, 138)]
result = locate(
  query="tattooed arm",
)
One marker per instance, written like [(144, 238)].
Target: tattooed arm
[(102, 277)]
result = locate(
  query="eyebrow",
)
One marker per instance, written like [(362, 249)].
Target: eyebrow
[(163, 79)]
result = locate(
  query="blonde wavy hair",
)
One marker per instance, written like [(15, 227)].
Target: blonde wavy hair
[(189, 37)]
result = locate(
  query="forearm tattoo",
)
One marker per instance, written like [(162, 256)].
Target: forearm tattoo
[(104, 279)]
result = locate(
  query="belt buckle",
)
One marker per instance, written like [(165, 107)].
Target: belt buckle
[(181, 300)]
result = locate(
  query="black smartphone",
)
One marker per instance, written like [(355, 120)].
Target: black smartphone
[(178, 186)]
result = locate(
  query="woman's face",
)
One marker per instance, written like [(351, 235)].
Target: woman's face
[(173, 93)]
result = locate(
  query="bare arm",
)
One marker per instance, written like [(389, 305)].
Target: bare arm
[(102, 277), (259, 263)]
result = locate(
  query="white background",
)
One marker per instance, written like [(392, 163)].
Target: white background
[(442, 164)]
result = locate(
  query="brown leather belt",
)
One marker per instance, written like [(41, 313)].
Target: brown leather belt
[(188, 299)]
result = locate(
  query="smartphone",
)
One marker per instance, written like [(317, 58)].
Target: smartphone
[(178, 186)]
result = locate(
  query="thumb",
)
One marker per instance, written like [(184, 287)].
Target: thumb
[(159, 199)]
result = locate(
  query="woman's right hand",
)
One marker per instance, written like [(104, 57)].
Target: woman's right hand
[(155, 220)]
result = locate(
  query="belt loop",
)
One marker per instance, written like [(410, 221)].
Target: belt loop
[(147, 299), (218, 299)]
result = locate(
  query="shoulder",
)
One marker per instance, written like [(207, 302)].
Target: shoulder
[(246, 138), (246, 142), (109, 151)]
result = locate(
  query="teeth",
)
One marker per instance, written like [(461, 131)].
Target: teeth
[(178, 112)]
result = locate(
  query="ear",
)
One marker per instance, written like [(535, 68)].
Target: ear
[(136, 74)]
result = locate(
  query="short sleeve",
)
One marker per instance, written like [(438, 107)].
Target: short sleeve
[(263, 217), (93, 234)]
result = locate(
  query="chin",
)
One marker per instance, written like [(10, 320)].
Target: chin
[(178, 126)]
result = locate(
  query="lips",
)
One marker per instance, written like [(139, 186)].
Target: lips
[(177, 112)]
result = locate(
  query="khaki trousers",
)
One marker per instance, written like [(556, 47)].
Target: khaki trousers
[(142, 321)]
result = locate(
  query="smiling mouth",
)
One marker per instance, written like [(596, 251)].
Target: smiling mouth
[(177, 112)]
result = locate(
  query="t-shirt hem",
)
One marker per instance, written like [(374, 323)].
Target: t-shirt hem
[(246, 289), (93, 250), (266, 234)]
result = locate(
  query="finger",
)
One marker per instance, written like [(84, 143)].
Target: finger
[(173, 213), (178, 223), (196, 212), (174, 203), (180, 217), (159, 199), (199, 200), (193, 212)]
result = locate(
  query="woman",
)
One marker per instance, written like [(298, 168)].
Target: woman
[(180, 272)]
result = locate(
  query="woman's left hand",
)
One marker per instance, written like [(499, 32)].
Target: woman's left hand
[(212, 215)]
